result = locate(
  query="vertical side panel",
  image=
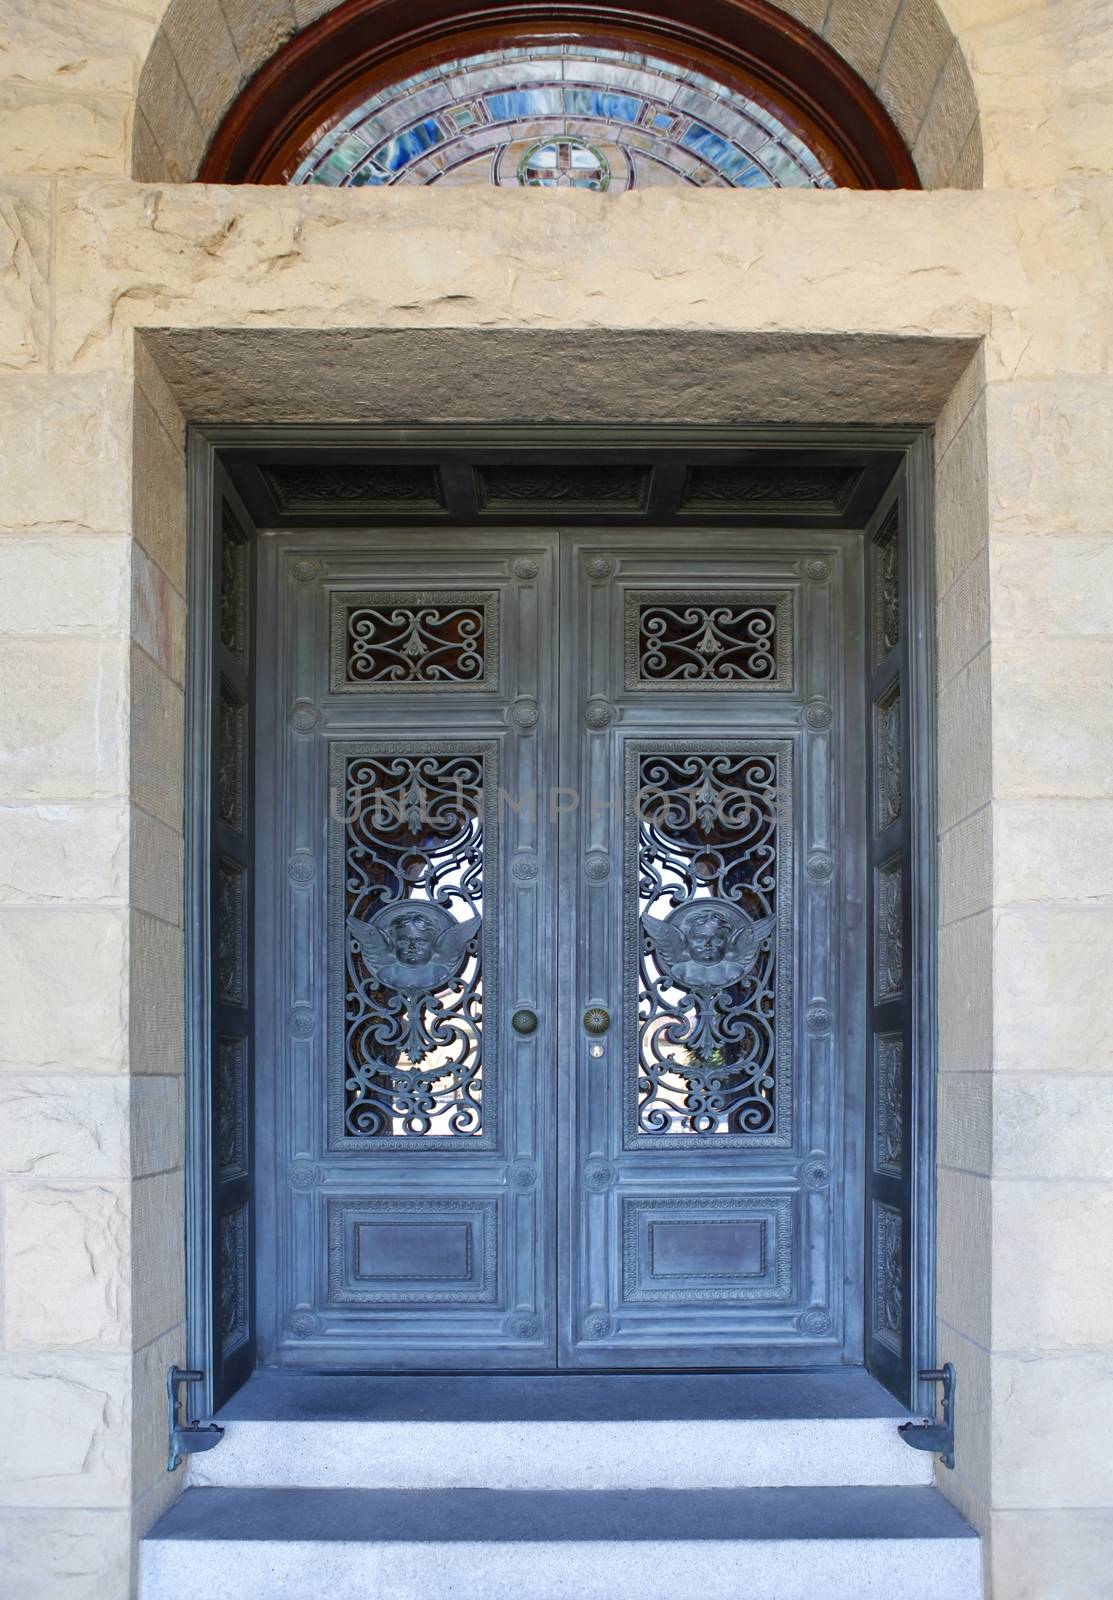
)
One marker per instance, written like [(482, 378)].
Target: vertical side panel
[(221, 890), (899, 1142)]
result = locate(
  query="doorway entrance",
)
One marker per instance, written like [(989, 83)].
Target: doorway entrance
[(564, 906), (561, 838)]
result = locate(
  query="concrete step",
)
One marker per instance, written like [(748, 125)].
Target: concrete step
[(712, 1544), (606, 1432)]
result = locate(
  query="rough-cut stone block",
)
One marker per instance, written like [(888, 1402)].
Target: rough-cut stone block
[(1053, 1419), (74, 583), (67, 1267), (965, 1263), (1048, 587), (64, 854), (151, 381), (1053, 851), (1052, 1125), (158, 619), (78, 49), (157, 1255), (176, 133), (959, 403), (54, 1126), (66, 1554), (24, 273), (962, 500), (65, 980), (1053, 1555), (966, 1120), (1052, 718), (914, 58), (969, 168), (63, 719), (966, 995), (308, 11), (157, 1015), (1052, 1004), (159, 509), (968, 1486), (156, 867), (1051, 456), (946, 127), (963, 619), (45, 131), (206, 57), (66, 1430), (67, 449), (859, 31), (156, 1125), (259, 31), (1052, 1265), (964, 742), (157, 733), (966, 867)]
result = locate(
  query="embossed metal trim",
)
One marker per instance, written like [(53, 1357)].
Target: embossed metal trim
[(406, 641), (888, 1108), (888, 778), (338, 1212), (888, 1292), (889, 930), (777, 1260), (699, 639), (758, 1017), (471, 1084), (232, 1308)]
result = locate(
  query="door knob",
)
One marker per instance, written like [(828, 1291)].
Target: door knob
[(596, 1021), (524, 1021)]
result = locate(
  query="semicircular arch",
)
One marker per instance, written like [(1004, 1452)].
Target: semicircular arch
[(228, 83)]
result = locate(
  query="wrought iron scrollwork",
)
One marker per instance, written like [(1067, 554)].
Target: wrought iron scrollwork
[(708, 902), (395, 640), (711, 640), (412, 878)]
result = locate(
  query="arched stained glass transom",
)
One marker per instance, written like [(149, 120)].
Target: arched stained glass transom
[(562, 115)]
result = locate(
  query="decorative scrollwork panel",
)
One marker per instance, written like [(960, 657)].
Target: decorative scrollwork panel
[(413, 897), (708, 942), (888, 1289), (888, 766), (395, 640), (709, 639), (888, 1111), (889, 931), (886, 589)]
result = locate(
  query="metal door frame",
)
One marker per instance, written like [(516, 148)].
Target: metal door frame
[(218, 456)]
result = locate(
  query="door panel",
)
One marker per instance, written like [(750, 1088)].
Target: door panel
[(411, 1121), (560, 949), (712, 706)]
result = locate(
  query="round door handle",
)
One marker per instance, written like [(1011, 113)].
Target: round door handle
[(524, 1021), (596, 1021)]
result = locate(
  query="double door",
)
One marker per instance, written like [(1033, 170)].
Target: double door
[(559, 950)]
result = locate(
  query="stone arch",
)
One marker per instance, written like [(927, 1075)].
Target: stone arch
[(206, 52)]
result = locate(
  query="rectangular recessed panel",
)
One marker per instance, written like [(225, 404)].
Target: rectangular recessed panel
[(777, 487), (703, 639), (560, 487), (325, 488), (420, 1251), (413, 640), (702, 1248), (706, 1249), (413, 1250)]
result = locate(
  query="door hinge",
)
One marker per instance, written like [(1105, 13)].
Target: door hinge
[(938, 1437), (186, 1438)]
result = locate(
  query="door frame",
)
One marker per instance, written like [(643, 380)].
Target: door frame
[(220, 461)]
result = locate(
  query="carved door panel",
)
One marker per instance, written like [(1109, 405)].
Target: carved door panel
[(561, 978), (714, 1020), (409, 934)]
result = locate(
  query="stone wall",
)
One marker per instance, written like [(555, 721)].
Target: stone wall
[(124, 306)]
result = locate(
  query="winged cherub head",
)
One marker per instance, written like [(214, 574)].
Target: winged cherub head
[(414, 940), (708, 936)]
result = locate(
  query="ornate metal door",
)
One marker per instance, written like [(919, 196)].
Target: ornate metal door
[(561, 984)]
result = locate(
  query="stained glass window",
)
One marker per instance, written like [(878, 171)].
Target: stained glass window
[(562, 116)]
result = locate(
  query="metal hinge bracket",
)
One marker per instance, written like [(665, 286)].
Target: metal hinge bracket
[(938, 1437), (186, 1438)]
